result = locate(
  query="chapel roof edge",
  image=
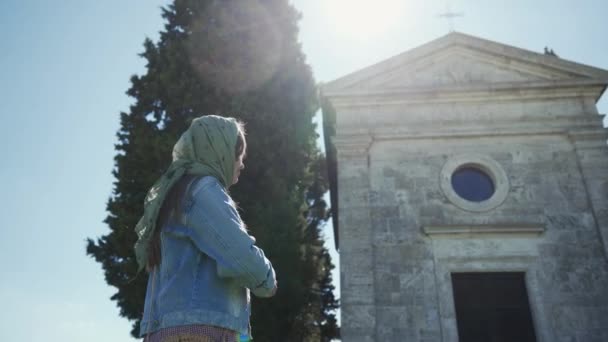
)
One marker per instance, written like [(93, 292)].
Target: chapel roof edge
[(468, 42)]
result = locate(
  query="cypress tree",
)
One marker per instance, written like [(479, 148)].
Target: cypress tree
[(242, 59)]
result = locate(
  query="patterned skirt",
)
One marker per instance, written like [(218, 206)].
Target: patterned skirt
[(193, 333)]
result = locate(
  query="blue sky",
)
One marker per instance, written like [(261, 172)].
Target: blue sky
[(65, 67)]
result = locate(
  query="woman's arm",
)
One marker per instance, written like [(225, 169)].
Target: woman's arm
[(218, 232)]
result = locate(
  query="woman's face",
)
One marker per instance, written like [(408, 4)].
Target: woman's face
[(238, 166)]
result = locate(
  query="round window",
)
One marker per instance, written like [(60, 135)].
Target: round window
[(472, 184)]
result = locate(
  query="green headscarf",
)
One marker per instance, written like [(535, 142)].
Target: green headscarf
[(207, 148)]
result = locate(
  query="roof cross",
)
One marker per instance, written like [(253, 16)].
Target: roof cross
[(449, 15)]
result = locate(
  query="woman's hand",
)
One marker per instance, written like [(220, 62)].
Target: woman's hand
[(274, 290)]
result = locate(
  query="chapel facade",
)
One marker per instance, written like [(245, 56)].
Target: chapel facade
[(469, 181)]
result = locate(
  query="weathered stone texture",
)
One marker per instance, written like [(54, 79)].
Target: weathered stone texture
[(393, 148)]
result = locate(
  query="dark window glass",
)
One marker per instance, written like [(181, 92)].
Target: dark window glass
[(492, 307), (472, 184)]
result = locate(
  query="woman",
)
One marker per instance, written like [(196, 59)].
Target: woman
[(202, 262)]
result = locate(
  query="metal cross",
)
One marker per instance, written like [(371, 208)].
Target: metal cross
[(449, 15)]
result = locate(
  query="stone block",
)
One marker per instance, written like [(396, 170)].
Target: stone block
[(360, 317)]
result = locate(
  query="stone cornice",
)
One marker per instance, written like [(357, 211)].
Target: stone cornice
[(578, 127), (589, 138), (471, 231), (468, 93), (352, 145)]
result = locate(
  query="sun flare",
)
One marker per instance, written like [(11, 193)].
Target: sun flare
[(364, 18)]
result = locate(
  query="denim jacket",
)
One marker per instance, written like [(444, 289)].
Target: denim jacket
[(209, 265)]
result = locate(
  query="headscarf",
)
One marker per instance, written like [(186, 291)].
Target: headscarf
[(206, 148)]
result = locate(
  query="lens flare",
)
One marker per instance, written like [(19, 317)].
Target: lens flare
[(234, 47)]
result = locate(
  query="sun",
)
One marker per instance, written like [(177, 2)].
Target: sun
[(364, 18)]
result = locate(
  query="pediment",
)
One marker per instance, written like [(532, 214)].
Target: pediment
[(456, 66), (459, 60)]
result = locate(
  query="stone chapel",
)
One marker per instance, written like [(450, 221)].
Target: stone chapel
[(469, 181)]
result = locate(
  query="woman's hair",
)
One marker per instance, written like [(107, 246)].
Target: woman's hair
[(241, 143), (172, 202)]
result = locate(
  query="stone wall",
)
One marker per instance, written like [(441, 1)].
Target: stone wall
[(398, 245)]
